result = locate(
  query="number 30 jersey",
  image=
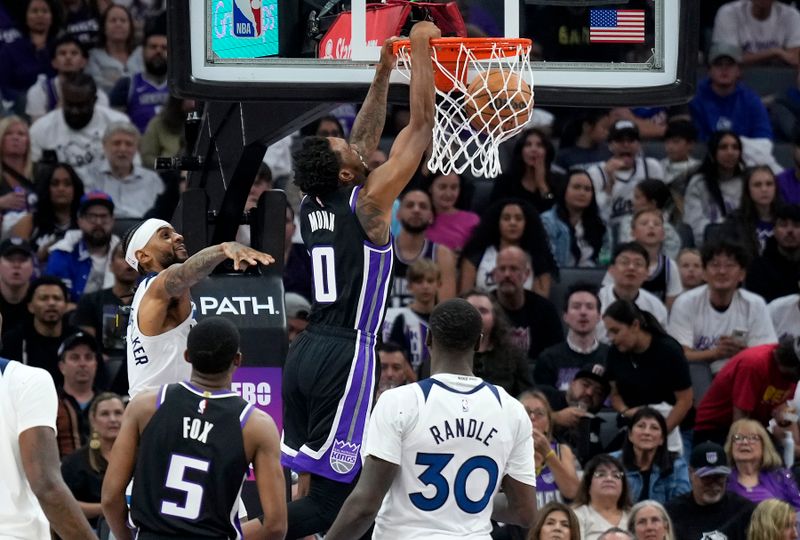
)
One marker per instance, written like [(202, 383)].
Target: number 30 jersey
[(191, 465), (352, 276), (454, 438)]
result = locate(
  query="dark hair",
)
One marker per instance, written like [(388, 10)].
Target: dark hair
[(172, 114), (663, 458), (310, 129), (44, 217), (573, 129), (517, 170), (626, 312), (747, 216), (709, 168), (316, 167), (594, 228), (68, 39), (102, 38), (581, 287), (82, 81), (549, 508), (534, 240), (656, 191), (632, 247), (391, 347), (681, 129), (155, 26), (500, 335), (46, 280), (56, 17), (788, 212), (785, 353), (583, 496), (126, 240), (212, 344), (721, 246), (455, 325)]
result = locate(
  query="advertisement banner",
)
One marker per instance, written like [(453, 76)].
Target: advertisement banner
[(243, 28), (261, 387)]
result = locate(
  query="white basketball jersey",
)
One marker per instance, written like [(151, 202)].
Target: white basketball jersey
[(454, 438), (154, 361)]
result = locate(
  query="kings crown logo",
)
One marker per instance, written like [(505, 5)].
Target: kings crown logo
[(247, 18), (344, 456)]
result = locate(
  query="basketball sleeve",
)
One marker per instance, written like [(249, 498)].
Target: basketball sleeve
[(680, 321), (520, 465), (34, 397), (394, 412)]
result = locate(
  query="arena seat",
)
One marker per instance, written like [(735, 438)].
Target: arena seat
[(570, 276)]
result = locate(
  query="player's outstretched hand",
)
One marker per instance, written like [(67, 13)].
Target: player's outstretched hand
[(243, 257), (388, 58), (424, 30)]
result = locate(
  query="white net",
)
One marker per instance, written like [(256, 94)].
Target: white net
[(473, 119)]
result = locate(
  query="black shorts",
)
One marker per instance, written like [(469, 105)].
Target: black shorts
[(328, 386)]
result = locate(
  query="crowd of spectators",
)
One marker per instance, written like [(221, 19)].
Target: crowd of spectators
[(661, 384)]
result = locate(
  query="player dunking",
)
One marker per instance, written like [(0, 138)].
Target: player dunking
[(190, 444), (162, 309), (439, 449), (329, 376)]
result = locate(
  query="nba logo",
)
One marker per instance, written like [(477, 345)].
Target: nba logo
[(247, 18)]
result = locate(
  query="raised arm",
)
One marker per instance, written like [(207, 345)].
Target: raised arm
[(367, 128), (175, 281), (385, 183)]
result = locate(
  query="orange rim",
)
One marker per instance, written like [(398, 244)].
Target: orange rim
[(447, 48)]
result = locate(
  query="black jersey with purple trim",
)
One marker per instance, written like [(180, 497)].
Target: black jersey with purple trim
[(352, 276), (191, 465), (401, 296)]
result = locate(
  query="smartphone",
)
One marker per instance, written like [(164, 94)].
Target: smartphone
[(739, 335)]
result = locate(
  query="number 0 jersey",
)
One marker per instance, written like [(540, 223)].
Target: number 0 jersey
[(352, 276), (454, 438), (191, 465)]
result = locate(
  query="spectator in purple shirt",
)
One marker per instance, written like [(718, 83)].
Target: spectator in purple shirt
[(789, 180), (758, 472)]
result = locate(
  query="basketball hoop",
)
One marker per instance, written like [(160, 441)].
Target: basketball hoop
[(473, 118)]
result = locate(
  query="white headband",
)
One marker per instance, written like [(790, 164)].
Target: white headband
[(140, 239)]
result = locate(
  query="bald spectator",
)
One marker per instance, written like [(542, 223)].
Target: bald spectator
[(534, 320), (767, 31), (134, 188), (74, 130)]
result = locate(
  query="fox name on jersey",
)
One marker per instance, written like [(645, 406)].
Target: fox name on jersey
[(464, 427)]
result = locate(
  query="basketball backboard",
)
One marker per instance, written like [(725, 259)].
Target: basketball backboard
[(588, 52)]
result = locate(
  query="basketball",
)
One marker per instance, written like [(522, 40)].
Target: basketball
[(497, 98)]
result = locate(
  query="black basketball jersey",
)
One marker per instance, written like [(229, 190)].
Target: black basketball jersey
[(191, 465), (400, 295), (352, 276)]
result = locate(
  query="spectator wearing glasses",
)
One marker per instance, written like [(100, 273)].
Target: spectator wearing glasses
[(758, 472), (709, 511), (756, 383), (82, 259), (603, 500)]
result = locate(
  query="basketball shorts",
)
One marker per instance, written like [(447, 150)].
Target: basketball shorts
[(328, 386)]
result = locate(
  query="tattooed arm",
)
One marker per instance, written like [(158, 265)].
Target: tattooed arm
[(170, 288), (367, 128), (385, 183)]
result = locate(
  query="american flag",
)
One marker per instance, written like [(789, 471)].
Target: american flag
[(616, 26)]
